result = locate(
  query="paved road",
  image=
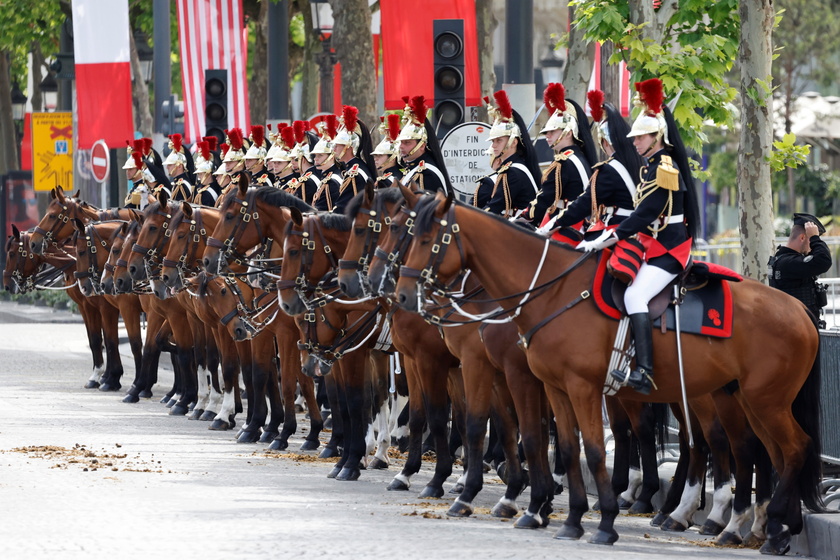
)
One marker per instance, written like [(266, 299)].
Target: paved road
[(83, 475)]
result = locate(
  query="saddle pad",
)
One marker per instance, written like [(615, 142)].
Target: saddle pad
[(706, 310)]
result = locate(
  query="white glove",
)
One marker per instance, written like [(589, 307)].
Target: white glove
[(607, 238), (547, 229)]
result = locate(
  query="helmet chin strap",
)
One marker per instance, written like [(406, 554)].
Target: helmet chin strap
[(652, 144), (415, 148), (562, 135)]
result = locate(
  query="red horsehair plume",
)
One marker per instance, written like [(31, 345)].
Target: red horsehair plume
[(147, 146), (268, 126), (596, 104), (138, 159), (223, 149), (235, 138), (258, 135), (331, 128), (351, 117), (288, 136), (651, 94), (555, 98), (138, 146), (406, 100), (393, 126), (503, 104), (177, 141), (419, 108), (212, 142), (300, 131)]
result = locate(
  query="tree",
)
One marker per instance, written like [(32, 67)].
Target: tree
[(578, 68), (353, 44)]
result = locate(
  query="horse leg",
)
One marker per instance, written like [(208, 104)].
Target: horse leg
[(93, 326), (621, 431), (674, 494), (316, 421), (336, 441), (275, 398), (652, 420), (286, 334), (130, 311), (356, 411), (211, 360), (416, 423), (141, 386), (507, 428), (224, 419), (681, 518), (457, 435), (378, 430), (262, 360), (110, 328), (182, 332)]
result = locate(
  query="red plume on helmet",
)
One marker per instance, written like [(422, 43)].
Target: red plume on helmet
[(393, 121), (235, 138), (212, 142), (223, 149), (503, 105), (596, 104), (288, 136), (258, 135), (351, 117), (300, 130), (137, 156), (419, 108), (331, 129), (147, 146), (176, 141), (554, 97), (204, 150), (137, 146), (651, 94), (406, 100)]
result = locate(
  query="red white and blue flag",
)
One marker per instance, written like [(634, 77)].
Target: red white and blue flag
[(212, 36), (103, 72)]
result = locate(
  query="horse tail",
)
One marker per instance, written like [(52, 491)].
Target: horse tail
[(806, 412), (660, 422)]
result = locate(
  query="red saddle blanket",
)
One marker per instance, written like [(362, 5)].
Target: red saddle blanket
[(706, 308)]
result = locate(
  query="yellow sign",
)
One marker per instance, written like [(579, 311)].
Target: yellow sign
[(52, 151)]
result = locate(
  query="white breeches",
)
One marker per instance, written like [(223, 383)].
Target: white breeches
[(648, 282)]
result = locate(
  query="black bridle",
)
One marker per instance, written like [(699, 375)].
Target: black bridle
[(152, 254), (246, 312), (247, 214), (195, 233), (393, 260), (93, 240), (347, 340), (377, 218), (312, 295)]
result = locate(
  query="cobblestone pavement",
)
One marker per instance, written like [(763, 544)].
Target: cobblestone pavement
[(83, 475)]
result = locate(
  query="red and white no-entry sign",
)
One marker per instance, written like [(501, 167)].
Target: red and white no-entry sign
[(100, 163)]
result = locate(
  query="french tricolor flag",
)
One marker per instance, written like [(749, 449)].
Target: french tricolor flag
[(103, 72)]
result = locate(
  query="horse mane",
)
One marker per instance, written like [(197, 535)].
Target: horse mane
[(391, 195), (337, 222), (276, 197)]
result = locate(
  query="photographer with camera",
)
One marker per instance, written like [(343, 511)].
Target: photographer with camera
[(795, 266)]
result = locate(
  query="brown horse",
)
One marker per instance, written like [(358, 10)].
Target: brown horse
[(773, 352)]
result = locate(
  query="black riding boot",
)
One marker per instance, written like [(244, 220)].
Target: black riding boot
[(641, 378)]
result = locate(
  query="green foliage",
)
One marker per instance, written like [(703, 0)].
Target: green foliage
[(818, 183), (699, 46), (786, 153), (24, 22)]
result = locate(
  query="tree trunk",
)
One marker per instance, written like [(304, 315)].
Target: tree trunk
[(353, 44), (486, 24), (610, 76), (143, 120), (578, 68), (309, 75), (258, 84), (643, 11), (755, 198), (35, 97), (9, 159)]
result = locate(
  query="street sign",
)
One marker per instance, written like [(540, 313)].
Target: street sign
[(100, 163), (52, 151), (463, 154)]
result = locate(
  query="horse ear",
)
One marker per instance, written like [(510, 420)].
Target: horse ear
[(370, 192), (78, 193), (163, 198), (79, 225), (15, 232), (447, 200), (297, 217), (243, 183), (187, 209), (59, 194), (410, 196), (52, 193)]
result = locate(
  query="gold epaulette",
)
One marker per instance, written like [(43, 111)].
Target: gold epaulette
[(564, 155), (353, 171), (421, 166), (667, 176), (505, 167)]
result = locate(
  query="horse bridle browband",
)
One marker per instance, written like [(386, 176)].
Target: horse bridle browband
[(247, 214)]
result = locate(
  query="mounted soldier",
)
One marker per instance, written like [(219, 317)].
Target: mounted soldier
[(254, 159), (221, 174), (664, 222), (323, 155), (420, 150), (352, 153), (234, 159), (306, 180), (386, 154), (180, 166), (207, 190), (279, 157), (574, 152), (134, 166)]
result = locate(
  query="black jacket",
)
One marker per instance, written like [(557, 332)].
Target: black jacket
[(571, 183)]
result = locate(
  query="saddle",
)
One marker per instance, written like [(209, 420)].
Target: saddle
[(705, 298)]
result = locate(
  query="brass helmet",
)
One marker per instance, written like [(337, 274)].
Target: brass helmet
[(301, 147), (414, 120), (257, 149), (563, 115), (600, 129), (134, 161), (650, 97), (203, 157), (176, 151), (236, 141), (502, 114), (284, 145), (327, 130), (390, 130), (223, 150), (349, 132)]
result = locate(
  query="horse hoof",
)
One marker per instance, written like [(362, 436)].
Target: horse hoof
[(208, 416), (457, 489), (170, 403), (397, 484), (279, 444), (640, 508), (309, 445), (249, 436), (268, 436), (658, 519), (777, 545), (131, 398), (460, 509), (569, 532), (753, 541), (501, 470), (672, 526), (349, 474), (558, 489), (196, 414), (431, 492), (146, 394), (622, 504), (597, 506), (92, 385), (711, 527), (504, 511), (728, 539), (377, 463), (178, 410), (110, 387), (604, 537), (336, 470), (527, 521), (220, 426), (165, 399), (328, 452)]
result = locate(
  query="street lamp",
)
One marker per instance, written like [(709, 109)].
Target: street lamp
[(18, 103), (49, 88), (322, 22), (146, 55), (551, 63)]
